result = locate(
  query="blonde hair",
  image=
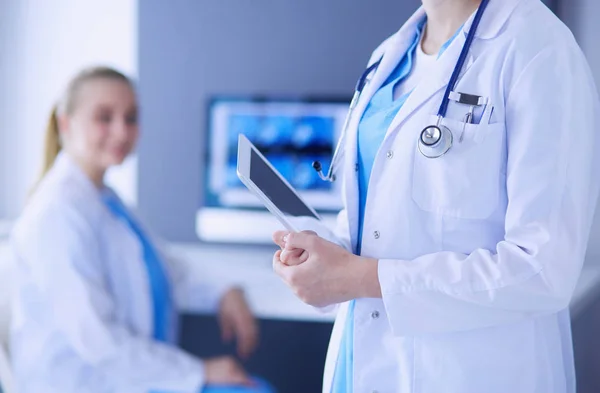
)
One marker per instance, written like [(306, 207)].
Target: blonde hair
[(67, 105)]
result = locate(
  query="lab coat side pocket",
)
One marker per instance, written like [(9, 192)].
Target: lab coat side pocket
[(465, 182)]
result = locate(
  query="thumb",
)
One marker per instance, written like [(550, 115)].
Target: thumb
[(278, 237), (306, 240)]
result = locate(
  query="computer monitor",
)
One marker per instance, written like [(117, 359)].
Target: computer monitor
[(292, 134)]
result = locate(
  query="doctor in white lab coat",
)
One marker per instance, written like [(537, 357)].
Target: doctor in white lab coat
[(467, 262), (96, 300)]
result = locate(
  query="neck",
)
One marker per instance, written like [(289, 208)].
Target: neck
[(444, 17), (95, 174)]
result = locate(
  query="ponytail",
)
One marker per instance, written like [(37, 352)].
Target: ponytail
[(51, 142)]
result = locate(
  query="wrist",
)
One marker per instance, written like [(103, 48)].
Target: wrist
[(366, 277)]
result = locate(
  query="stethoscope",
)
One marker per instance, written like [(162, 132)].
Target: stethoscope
[(434, 140)]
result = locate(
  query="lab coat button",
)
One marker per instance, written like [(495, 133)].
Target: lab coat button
[(376, 234), (356, 167), (375, 314), (390, 154)]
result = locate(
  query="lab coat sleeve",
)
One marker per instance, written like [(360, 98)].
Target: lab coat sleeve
[(339, 235), (67, 267), (342, 231), (552, 178)]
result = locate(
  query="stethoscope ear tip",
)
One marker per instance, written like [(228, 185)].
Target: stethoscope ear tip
[(319, 168)]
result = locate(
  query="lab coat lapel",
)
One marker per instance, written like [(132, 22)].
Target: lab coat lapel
[(393, 52), (124, 246)]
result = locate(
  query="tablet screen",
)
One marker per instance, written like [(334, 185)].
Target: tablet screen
[(275, 189)]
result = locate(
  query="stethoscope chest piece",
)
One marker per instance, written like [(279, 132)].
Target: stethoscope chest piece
[(435, 140)]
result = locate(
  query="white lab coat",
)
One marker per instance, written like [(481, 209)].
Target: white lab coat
[(82, 312), (479, 250)]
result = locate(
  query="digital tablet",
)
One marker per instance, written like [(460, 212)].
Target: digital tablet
[(274, 191)]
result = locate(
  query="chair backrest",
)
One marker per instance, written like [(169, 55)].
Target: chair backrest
[(6, 377)]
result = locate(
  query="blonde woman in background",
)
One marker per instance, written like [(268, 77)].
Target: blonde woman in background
[(95, 309)]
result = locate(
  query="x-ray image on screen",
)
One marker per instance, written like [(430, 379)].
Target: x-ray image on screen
[(291, 135)]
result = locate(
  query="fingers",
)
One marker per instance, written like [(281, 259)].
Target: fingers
[(278, 266), (247, 336), (276, 259), (284, 271), (226, 329), (305, 240), (278, 238), (238, 322), (246, 330), (293, 257), (225, 320)]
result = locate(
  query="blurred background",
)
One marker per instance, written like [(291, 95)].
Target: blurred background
[(282, 70)]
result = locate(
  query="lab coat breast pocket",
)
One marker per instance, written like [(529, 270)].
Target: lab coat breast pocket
[(465, 182)]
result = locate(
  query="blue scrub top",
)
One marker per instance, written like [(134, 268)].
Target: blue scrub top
[(372, 128)]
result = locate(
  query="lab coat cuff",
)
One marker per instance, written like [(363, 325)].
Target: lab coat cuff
[(388, 273), (393, 292)]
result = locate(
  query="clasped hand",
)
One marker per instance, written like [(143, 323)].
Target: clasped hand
[(322, 273)]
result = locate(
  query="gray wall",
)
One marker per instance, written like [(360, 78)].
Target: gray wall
[(582, 18), (190, 50)]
